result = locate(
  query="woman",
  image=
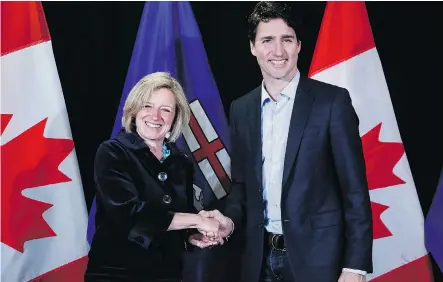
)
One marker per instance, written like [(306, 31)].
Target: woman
[(144, 189)]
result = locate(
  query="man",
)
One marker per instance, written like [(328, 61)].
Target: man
[(300, 194)]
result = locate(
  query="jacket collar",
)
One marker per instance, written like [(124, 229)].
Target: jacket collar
[(134, 142)]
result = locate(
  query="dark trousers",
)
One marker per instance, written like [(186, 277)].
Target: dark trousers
[(100, 277), (217, 264), (161, 267), (275, 265), (108, 276)]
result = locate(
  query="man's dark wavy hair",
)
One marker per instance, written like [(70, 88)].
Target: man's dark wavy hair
[(267, 10)]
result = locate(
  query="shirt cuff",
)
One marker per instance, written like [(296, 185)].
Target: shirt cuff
[(361, 272)]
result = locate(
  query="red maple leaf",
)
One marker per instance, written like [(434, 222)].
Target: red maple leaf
[(379, 228), (380, 158), (29, 160)]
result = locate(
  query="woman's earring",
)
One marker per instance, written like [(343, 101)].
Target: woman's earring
[(168, 134)]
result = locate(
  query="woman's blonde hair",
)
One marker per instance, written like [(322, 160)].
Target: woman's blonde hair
[(141, 93)]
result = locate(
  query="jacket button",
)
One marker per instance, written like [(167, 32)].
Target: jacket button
[(167, 199), (162, 176), (139, 239)]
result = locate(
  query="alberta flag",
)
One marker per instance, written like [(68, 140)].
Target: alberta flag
[(169, 40)]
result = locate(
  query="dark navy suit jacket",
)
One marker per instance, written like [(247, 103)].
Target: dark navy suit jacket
[(325, 205)]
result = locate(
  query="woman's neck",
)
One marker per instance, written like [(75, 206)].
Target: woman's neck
[(156, 147)]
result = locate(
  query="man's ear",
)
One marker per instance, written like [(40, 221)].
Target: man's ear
[(252, 46)]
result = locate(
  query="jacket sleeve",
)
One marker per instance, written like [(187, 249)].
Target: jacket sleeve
[(235, 200), (117, 195), (350, 167)]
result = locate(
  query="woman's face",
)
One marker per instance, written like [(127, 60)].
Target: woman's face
[(155, 118)]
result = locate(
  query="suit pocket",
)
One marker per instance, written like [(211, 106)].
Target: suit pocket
[(327, 219), (311, 139)]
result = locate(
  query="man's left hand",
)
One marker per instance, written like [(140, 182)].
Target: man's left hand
[(351, 277)]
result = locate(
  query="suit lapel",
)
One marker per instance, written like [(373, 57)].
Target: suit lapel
[(300, 113)]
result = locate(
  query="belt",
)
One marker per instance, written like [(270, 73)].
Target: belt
[(275, 241)]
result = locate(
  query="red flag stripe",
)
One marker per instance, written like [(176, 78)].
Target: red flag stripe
[(344, 33), (417, 270), (23, 25), (70, 272)]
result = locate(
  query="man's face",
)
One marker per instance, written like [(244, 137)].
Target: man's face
[(276, 48)]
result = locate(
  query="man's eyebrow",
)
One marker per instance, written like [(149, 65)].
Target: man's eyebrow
[(267, 37), (287, 36)]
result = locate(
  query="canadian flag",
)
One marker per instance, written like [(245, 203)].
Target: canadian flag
[(345, 55), (43, 211)]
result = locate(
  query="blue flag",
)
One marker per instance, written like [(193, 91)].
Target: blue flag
[(168, 39), (434, 226)]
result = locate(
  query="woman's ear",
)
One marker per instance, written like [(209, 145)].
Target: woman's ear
[(172, 126)]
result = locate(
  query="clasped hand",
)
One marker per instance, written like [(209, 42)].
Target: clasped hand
[(213, 228)]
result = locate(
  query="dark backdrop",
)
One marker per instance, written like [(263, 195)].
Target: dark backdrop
[(93, 43)]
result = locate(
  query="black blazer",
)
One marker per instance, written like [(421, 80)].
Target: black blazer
[(135, 208), (325, 205)]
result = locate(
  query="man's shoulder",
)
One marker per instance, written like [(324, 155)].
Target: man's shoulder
[(318, 87), (322, 87), (325, 93), (248, 98)]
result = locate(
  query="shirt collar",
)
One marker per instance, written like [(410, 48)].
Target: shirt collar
[(288, 91)]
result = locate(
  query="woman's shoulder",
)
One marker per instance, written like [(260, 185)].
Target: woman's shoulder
[(114, 147)]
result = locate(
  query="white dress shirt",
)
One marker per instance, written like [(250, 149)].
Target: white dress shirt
[(276, 117)]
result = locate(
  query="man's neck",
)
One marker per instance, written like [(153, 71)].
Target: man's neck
[(275, 86)]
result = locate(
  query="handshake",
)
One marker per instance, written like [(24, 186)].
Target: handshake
[(213, 228)]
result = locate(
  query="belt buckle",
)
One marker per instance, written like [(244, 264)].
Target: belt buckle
[(274, 239)]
